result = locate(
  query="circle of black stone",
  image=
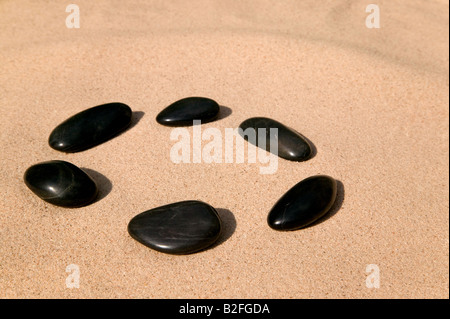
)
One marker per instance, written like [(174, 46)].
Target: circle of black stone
[(90, 127), (61, 183), (304, 203), (179, 228), (185, 111), (291, 145)]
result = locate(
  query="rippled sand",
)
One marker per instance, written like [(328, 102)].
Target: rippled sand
[(374, 102)]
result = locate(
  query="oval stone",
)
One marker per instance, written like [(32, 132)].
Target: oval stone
[(304, 203), (180, 228), (90, 127), (61, 183), (185, 111), (291, 145)]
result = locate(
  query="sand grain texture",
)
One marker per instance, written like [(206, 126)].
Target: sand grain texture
[(373, 102)]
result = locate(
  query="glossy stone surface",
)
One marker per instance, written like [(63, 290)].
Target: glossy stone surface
[(291, 145), (185, 111), (61, 183), (90, 127), (304, 203), (179, 228)]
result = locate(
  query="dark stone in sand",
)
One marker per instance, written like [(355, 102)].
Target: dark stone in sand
[(90, 127), (185, 111), (291, 145), (180, 228), (304, 203), (61, 183)]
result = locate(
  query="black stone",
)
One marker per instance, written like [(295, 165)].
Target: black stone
[(291, 145), (61, 183), (179, 228), (304, 203), (90, 127), (185, 111)]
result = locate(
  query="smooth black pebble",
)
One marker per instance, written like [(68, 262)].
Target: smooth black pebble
[(61, 183), (180, 228), (304, 203), (185, 111), (90, 127), (291, 145)]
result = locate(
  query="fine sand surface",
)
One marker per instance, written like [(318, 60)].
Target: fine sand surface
[(374, 102)]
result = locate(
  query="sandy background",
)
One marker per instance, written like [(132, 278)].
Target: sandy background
[(373, 101)]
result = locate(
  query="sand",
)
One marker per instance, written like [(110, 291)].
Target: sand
[(373, 101)]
